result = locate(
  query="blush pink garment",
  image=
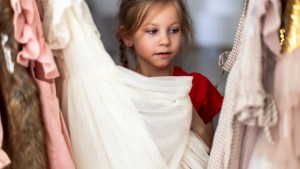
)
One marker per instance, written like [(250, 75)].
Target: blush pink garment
[(4, 160), (37, 54), (59, 150), (285, 151), (28, 31)]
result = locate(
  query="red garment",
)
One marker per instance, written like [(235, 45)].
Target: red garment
[(205, 98)]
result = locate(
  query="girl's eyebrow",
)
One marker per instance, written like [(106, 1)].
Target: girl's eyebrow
[(153, 24), (146, 24)]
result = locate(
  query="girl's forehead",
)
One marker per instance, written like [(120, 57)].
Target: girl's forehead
[(161, 13)]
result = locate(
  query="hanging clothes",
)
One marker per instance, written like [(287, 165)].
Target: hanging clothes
[(24, 137), (285, 151), (38, 56), (246, 103), (289, 95), (118, 118)]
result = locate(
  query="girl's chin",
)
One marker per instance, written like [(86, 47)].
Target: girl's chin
[(163, 66), (164, 56)]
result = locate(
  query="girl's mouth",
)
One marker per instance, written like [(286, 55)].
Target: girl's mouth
[(163, 54)]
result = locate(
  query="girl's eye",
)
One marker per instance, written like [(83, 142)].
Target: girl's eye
[(174, 30), (151, 31)]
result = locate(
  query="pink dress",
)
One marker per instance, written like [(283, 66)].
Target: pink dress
[(4, 160), (37, 54)]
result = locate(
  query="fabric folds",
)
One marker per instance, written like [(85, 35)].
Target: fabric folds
[(36, 54), (116, 117)]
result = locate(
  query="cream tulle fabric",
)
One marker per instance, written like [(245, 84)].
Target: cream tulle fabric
[(117, 118)]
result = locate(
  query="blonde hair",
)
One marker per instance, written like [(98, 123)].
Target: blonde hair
[(132, 14)]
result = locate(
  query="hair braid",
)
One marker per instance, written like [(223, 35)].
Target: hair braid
[(123, 54)]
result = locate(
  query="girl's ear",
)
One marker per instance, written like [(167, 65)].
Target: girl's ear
[(126, 39)]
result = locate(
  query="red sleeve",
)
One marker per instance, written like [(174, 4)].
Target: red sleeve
[(205, 97)]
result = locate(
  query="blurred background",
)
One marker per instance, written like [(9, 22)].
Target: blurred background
[(215, 24)]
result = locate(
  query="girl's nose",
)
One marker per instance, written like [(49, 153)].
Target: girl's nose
[(164, 39)]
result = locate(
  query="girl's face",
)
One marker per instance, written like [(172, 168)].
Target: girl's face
[(157, 42)]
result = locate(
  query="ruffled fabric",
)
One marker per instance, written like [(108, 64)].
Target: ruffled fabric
[(56, 31), (28, 31), (37, 54), (255, 107)]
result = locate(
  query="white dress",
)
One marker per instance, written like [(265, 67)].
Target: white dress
[(118, 119)]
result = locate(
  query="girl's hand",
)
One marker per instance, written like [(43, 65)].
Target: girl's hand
[(205, 131), (198, 124)]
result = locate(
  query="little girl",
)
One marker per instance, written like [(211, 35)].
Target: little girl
[(154, 32), (119, 119)]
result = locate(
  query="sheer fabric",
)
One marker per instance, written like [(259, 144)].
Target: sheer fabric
[(117, 118)]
